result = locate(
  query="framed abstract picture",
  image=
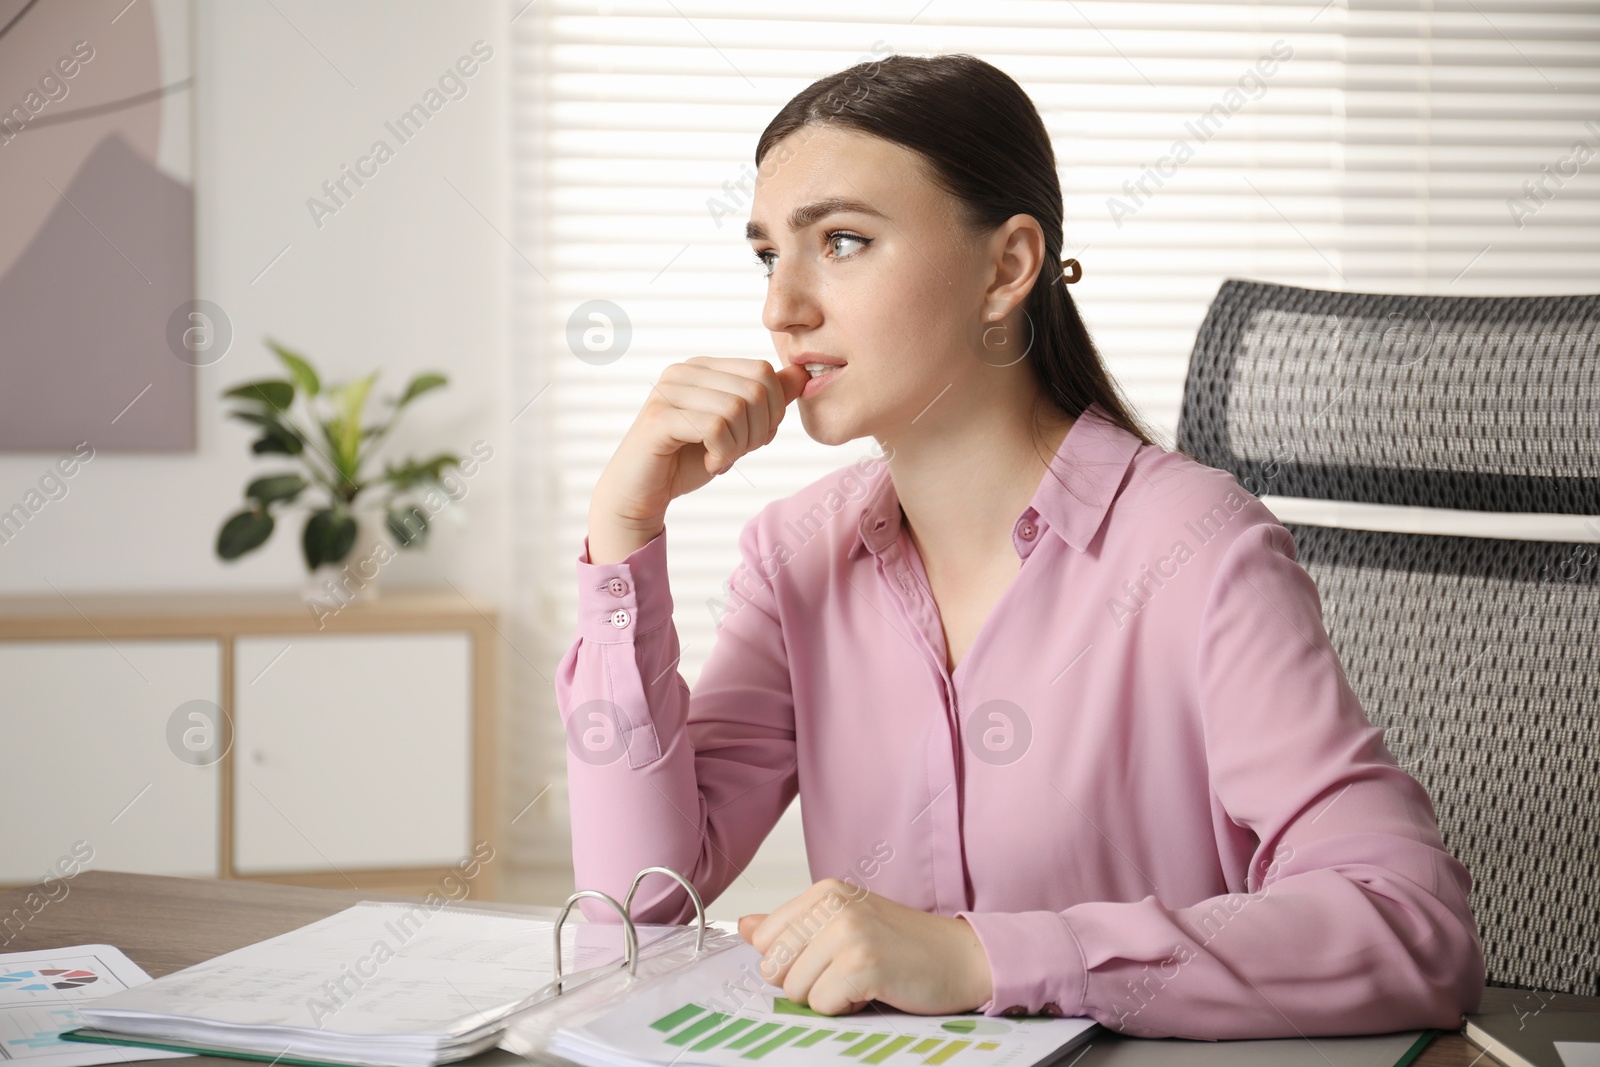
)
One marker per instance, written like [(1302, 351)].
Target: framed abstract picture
[(100, 333)]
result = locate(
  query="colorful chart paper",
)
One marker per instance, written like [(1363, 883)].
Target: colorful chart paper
[(39, 995), (721, 1012)]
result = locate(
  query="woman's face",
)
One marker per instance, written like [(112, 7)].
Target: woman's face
[(867, 261)]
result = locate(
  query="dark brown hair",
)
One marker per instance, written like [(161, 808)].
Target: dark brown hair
[(985, 145)]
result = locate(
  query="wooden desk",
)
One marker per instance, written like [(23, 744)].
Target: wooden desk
[(165, 924)]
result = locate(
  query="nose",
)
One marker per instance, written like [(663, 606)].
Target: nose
[(791, 303)]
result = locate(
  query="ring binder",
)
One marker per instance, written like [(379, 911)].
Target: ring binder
[(271, 999), (694, 895), (631, 935), (595, 991), (625, 909), (276, 999)]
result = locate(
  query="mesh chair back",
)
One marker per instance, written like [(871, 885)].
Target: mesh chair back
[(1478, 655)]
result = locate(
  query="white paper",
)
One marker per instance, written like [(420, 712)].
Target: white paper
[(725, 1004), (380, 969), (1579, 1053), (36, 1004), (377, 982)]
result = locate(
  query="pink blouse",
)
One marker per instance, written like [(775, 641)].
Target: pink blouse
[(1147, 786)]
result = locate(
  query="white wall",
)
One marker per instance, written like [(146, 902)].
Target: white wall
[(406, 276)]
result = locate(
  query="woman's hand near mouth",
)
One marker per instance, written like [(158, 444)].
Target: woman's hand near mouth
[(699, 419)]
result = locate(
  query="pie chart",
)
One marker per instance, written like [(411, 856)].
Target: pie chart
[(976, 1026), (46, 978)]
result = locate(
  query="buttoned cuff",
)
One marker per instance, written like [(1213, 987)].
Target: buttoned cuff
[(618, 601), (1035, 962)]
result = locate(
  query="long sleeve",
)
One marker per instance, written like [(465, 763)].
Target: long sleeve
[(657, 776), (1354, 918)]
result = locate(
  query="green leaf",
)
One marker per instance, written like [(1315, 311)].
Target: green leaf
[(276, 489), (344, 537), (299, 369), (274, 427), (436, 466), (411, 473), (243, 532), (344, 429), (314, 543), (328, 537), (422, 383), (409, 526), (278, 440), (273, 392), (330, 436)]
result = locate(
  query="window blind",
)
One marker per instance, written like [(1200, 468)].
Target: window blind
[(1393, 146)]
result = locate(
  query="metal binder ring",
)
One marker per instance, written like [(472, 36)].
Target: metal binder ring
[(627, 922), (694, 895)]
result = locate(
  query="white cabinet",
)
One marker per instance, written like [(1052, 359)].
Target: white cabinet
[(346, 748), (352, 751), (85, 756)]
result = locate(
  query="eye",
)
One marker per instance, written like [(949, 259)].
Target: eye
[(844, 235), (765, 257)]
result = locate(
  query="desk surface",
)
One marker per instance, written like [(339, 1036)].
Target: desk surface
[(165, 924)]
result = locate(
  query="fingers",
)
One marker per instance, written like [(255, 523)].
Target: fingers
[(821, 901), (833, 993), (809, 973), (793, 379), (813, 965), (752, 379), (716, 419), (732, 406), (748, 924)]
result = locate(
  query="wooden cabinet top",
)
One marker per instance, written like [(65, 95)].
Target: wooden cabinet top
[(70, 615)]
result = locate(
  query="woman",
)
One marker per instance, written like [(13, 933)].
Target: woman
[(1071, 735)]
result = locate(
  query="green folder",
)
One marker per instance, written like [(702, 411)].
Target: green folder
[(1423, 1040), (106, 1037)]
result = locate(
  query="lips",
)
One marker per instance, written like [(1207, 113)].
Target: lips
[(816, 357), (817, 383)]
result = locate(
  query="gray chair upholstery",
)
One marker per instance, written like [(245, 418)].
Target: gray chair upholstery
[(1479, 656)]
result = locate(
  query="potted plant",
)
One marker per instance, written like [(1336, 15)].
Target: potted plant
[(322, 428)]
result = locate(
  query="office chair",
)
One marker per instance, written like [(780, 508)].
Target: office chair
[(1473, 640)]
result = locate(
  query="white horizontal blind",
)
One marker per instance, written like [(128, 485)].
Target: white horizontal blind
[(1362, 146), (1467, 127)]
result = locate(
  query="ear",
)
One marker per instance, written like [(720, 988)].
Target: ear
[(1017, 250)]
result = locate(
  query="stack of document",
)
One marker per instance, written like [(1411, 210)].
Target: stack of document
[(720, 1011), (376, 984)]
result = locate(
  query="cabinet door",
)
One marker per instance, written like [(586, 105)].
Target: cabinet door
[(352, 751), (92, 753)]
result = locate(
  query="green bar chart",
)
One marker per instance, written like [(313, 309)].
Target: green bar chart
[(698, 1028)]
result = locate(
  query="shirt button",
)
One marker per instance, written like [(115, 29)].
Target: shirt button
[(1015, 1009), (1026, 530), (1051, 1008), (620, 618), (618, 587)]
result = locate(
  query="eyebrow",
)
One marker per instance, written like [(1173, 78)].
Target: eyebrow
[(807, 214)]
